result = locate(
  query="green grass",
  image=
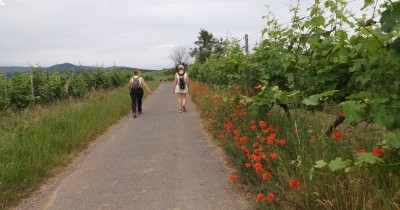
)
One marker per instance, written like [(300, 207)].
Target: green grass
[(34, 143)]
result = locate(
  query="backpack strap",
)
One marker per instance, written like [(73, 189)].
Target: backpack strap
[(138, 77)]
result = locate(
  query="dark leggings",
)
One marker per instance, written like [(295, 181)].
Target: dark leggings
[(136, 97)]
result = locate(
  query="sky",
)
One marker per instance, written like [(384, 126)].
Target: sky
[(134, 33)]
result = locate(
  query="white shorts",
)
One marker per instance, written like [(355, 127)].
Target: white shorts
[(178, 90)]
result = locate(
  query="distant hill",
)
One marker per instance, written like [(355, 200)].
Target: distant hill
[(62, 68), (12, 69)]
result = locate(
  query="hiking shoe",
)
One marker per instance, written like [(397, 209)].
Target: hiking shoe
[(134, 115), (184, 109)]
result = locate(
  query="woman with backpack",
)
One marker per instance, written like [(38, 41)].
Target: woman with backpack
[(181, 83), (136, 84)]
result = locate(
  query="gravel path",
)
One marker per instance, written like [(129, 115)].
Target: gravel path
[(160, 160)]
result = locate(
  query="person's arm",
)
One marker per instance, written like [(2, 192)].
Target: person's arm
[(187, 80), (130, 83), (145, 86), (174, 84)]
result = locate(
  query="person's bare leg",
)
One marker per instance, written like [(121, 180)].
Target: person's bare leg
[(184, 102), (180, 101)]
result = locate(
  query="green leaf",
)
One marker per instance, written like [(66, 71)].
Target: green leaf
[(317, 21), (328, 93), (373, 44), (390, 18), (338, 164), (391, 141), (312, 100), (320, 164), (367, 3), (366, 158), (382, 114), (355, 112), (360, 95)]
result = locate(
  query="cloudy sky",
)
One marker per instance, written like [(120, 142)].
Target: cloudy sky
[(135, 33)]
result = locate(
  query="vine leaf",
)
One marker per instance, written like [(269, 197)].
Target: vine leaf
[(320, 164), (390, 18), (355, 112), (391, 141), (312, 100), (338, 164), (367, 158)]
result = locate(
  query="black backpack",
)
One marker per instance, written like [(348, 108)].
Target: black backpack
[(136, 83), (182, 82)]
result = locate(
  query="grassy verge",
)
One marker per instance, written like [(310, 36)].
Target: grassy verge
[(32, 143), (292, 164)]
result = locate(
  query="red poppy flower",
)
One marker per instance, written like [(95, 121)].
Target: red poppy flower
[(313, 138), (273, 155), (377, 151), (256, 158), (236, 132), (244, 148), (257, 165), (268, 167), (253, 122), (258, 170), (221, 137), (226, 119), (293, 183), (266, 175), (233, 177), (337, 135), (243, 124), (256, 144), (283, 141), (253, 127), (248, 165), (228, 126), (270, 196), (260, 196), (244, 139), (271, 138), (262, 124)]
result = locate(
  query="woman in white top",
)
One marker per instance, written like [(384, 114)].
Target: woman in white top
[(181, 84), (136, 84)]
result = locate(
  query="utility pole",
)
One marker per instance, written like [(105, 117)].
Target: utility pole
[(246, 39)]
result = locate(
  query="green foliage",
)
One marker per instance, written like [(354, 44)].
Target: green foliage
[(322, 62), (207, 44), (22, 90), (329, 56), (367, 158), (390, 18), (338, 164)]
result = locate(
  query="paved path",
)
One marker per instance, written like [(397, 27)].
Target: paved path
[(160, 160)]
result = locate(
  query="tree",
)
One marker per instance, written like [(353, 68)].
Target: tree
[(180, 55), (207, 44)]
